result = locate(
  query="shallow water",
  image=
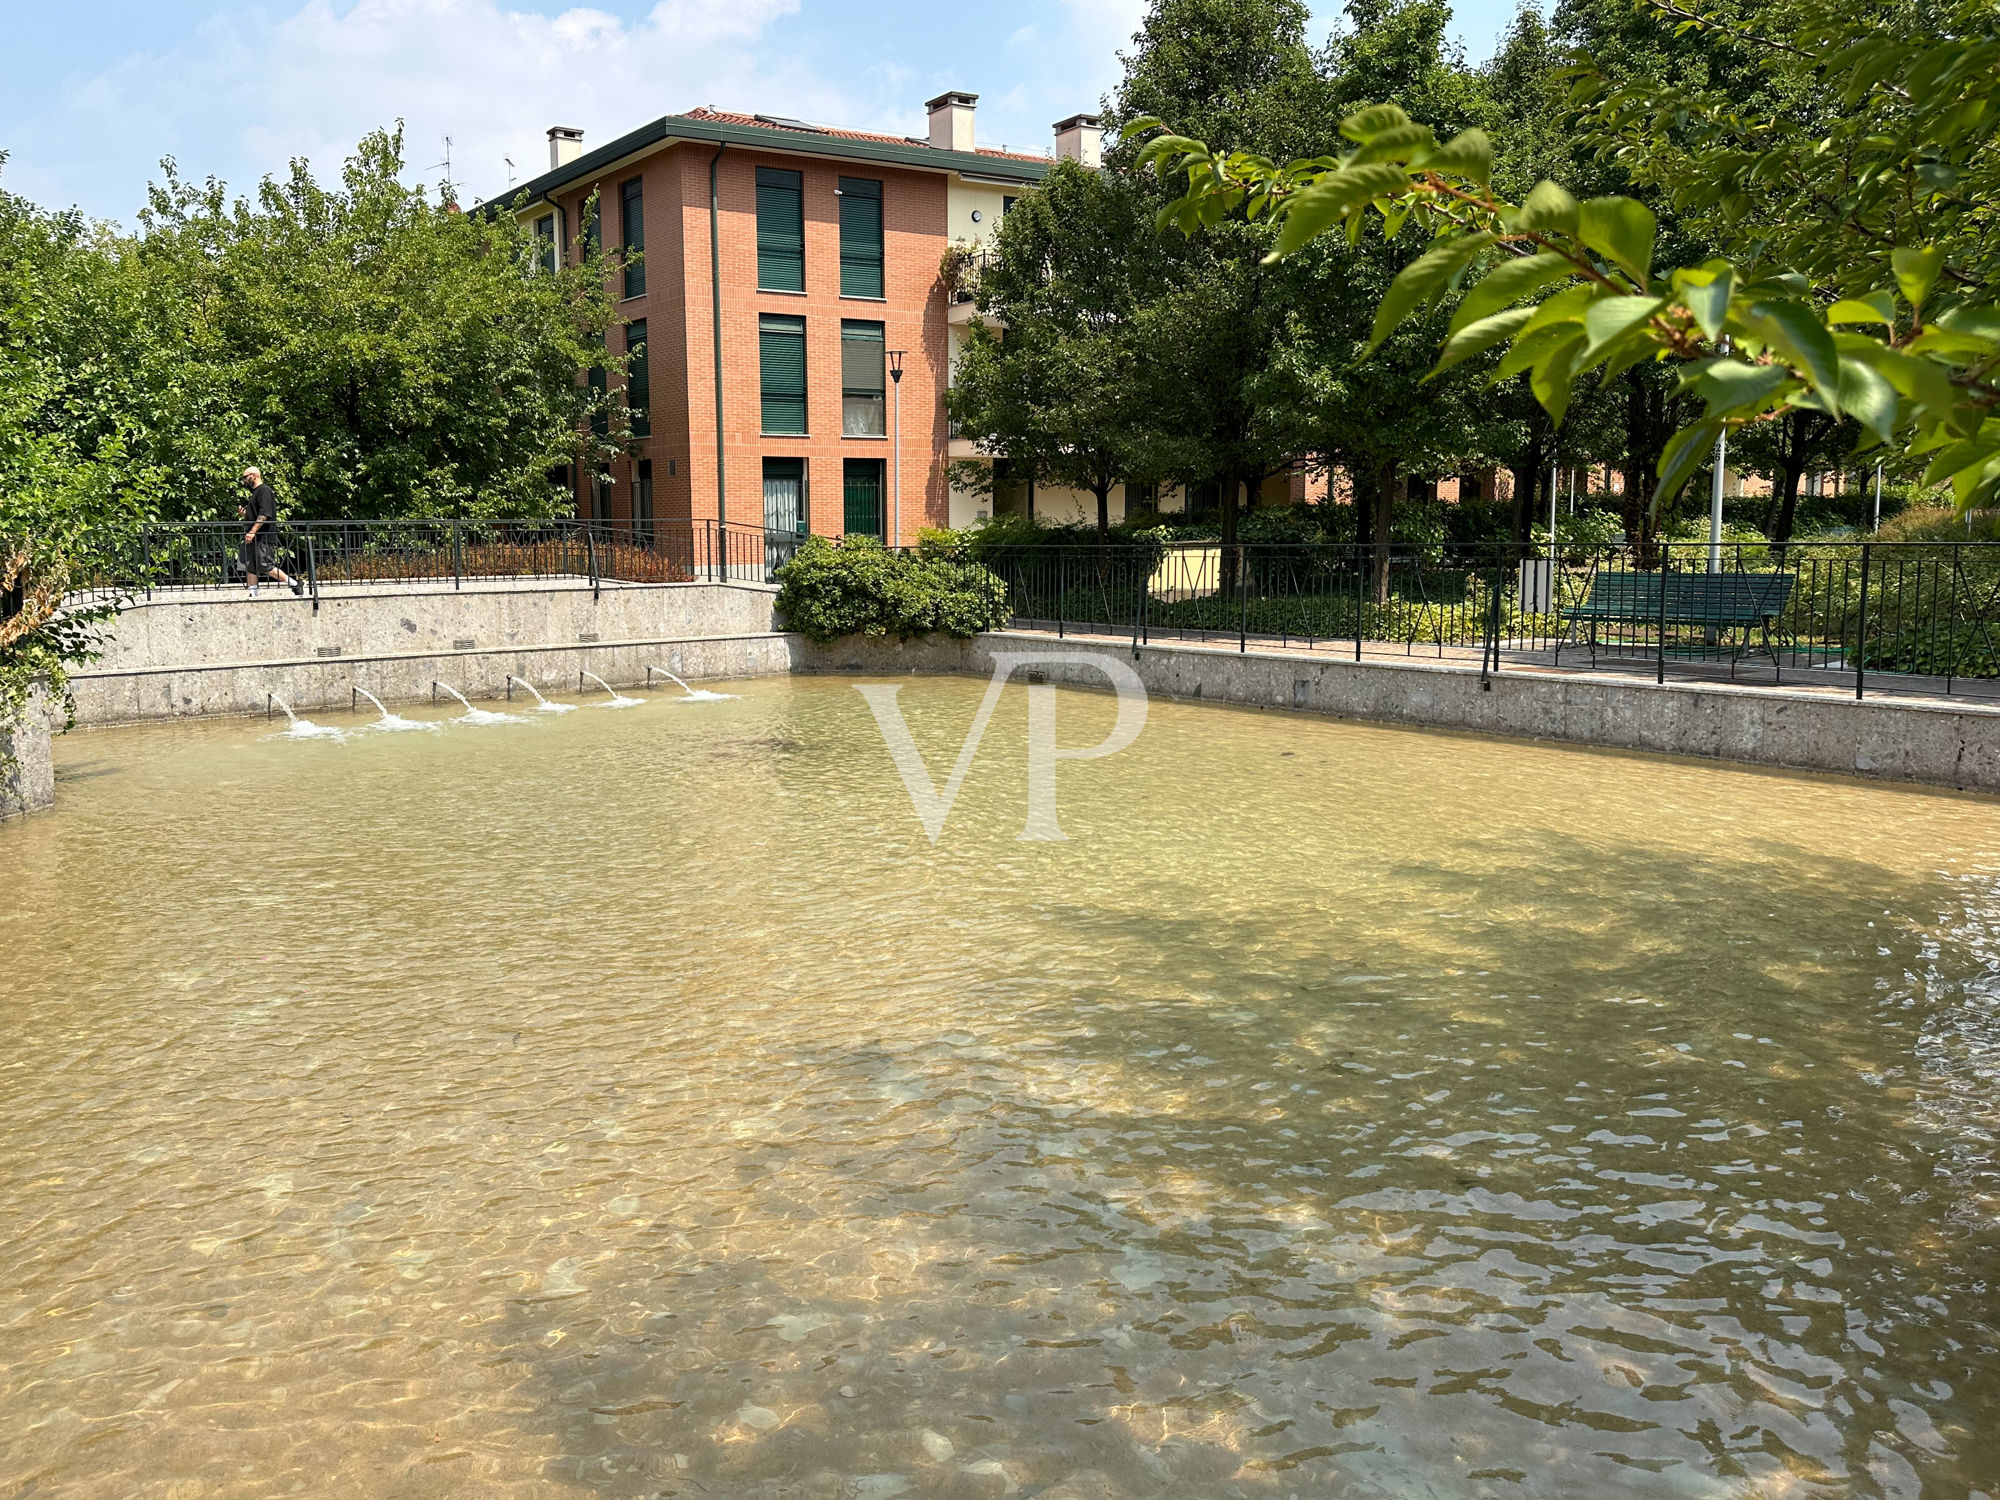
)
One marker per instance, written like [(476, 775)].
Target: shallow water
[(636, 1104)]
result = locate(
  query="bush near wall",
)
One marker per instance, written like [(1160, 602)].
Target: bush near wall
[(854, 587)]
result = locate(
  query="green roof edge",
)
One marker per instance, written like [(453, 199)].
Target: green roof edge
[(768, 138)]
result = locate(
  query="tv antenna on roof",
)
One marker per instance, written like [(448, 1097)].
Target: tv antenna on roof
[(446, 164), (510, 169)]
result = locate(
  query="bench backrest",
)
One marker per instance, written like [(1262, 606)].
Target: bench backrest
[(1691, 598)]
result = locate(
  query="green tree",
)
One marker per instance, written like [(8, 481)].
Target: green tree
[(377, 352), (1892, 334), (1070, 393), (71, 490)]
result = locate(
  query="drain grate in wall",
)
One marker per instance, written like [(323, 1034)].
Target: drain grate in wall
[(329, 650), (588, 637), (466, 644)]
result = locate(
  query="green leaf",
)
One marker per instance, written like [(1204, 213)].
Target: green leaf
[(1554, 374), (1365, 124), (1469, 154), (1508, 282), (1609, 319), (1876, 307), (1477, 337), (1530, 345), (1869, 398), (1795, 330), (1547, 209), (1685, 452), (1314, 209), (1729, 385), (1707, 300), (1969, 454), (1396, 144), (1622, 230), (1419, 280), (1161, 147), (1916, 271)]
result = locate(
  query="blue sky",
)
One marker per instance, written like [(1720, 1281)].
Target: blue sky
[(93, 95)]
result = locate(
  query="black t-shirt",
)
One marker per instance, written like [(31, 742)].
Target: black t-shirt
[(263, 507)]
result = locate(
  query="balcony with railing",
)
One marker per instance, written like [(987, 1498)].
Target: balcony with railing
[(961, 271)]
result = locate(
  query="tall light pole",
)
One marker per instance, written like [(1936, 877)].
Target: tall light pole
[(1715, 504), (896, 450)]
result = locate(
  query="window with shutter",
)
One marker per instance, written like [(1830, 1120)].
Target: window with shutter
[(860, 237), (862, 403), (545, 243), (861, 497), (600, 410), (781, 231), (632, 227), (781, 349), (638, 379)]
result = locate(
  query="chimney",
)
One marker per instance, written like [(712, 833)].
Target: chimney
[(1080, 138), (565, 145), (951, 120)]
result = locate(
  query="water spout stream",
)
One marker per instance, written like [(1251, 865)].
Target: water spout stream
[(688, 694), (618, 699), (301, 729), (389, 721), (476, 715), (546, 706)]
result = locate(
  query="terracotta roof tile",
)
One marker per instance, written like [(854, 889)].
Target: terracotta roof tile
[(730, 117)]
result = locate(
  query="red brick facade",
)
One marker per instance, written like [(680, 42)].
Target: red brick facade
[(678, 310)]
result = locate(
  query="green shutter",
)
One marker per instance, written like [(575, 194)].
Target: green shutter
[(782, 360), (781, 231), (632, 225), (862, 497), (600, 415), (860, 237), (638, 380)]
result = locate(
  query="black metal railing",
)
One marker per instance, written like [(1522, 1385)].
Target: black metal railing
[(1890, 616), (326, 554)]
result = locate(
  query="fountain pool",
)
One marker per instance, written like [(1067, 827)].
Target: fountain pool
[(637, 1104)]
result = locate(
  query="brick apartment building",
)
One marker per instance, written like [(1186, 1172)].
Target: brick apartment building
[(810, 258)]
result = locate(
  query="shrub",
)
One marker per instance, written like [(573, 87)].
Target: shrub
[(854, 587)]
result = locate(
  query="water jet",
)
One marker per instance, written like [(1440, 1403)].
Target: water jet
[(618, 699)]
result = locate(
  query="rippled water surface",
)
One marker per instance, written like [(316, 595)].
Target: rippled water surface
[(636, 1104)]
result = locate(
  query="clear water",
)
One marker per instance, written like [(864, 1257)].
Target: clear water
[(636, 1104)]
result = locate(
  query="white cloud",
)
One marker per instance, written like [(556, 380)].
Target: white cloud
[(250, 91)]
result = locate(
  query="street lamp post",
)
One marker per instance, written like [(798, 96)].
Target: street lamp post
[(896, 450)]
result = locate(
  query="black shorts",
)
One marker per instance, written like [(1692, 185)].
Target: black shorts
[(260, 556)]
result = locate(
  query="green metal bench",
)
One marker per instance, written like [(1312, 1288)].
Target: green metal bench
[(1714, 601)]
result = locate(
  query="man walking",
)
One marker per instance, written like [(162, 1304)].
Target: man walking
[(260, 542)]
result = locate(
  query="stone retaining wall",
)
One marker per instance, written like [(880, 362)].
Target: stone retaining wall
[(27, 763), (1939, 744)]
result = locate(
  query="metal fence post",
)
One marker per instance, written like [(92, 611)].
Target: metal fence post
[(1359, 589), (1666, 560), (590, 558), (1861, 632), (1062, 601), (457, 556), (312, 571), (1243, 594)]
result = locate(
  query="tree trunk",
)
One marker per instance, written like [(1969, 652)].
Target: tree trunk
[(1380, 538), (1645, 410), (1102, 489), (1792, 464)]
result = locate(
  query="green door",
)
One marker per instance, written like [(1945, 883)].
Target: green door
[(862, 494)]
